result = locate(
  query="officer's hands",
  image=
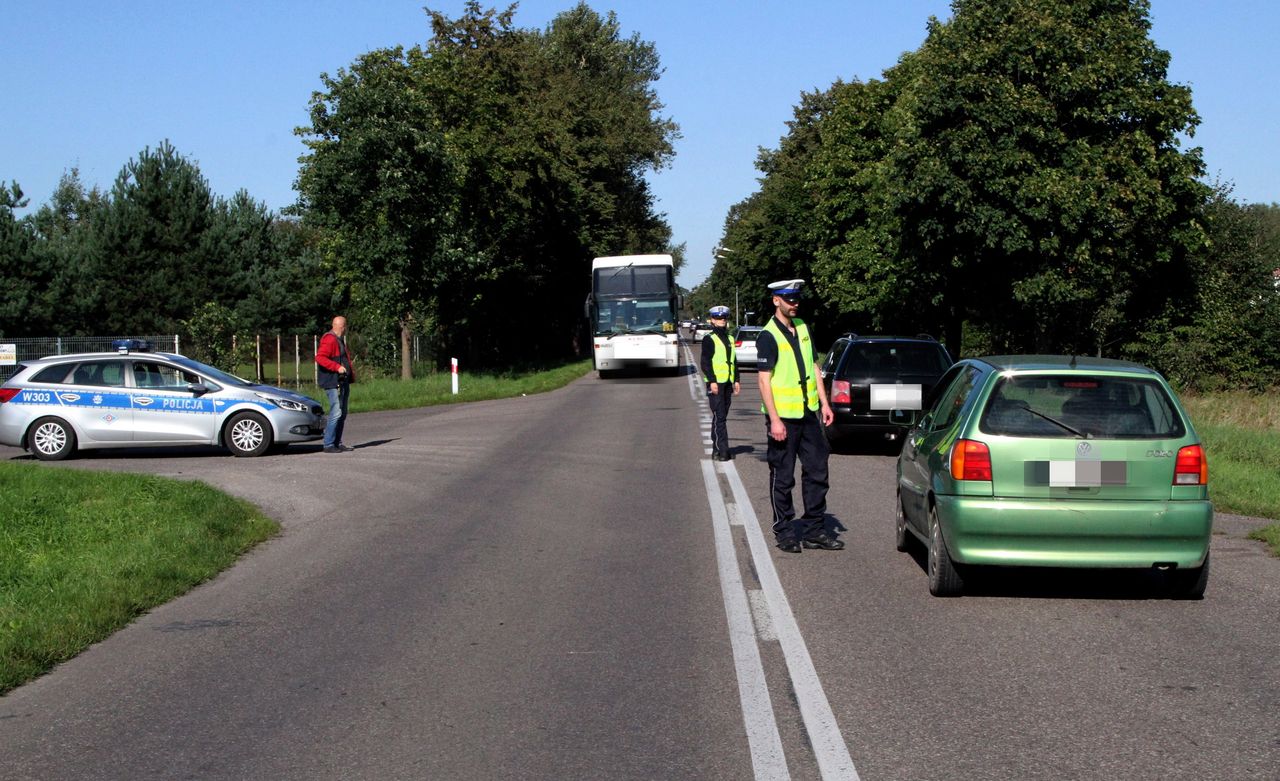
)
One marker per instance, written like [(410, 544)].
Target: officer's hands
[(737, 388), (828, 417), (715, 388), (777, 430)]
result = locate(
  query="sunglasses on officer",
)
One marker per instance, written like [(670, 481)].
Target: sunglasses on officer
[(791, 299)]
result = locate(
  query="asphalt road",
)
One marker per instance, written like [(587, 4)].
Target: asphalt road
[(532, 588)]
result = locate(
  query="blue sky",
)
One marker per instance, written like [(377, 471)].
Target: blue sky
[(92, 83)]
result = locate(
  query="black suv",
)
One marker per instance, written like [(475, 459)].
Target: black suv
[(866, 376)]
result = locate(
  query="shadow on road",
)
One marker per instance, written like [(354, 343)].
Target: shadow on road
[(1056, 582), (853, 445)]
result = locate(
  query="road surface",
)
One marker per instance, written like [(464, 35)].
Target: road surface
[(565, 586)]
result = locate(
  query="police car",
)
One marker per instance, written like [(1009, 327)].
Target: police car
[(134, 397)]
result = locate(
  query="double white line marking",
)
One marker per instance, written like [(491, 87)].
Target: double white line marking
[(773, 620)]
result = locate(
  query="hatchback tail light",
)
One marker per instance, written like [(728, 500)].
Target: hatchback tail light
[(1192, 468), (7, 394), (841, 392), (738, 343), (970, 460)]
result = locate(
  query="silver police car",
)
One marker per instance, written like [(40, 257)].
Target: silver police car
[(133, 397)]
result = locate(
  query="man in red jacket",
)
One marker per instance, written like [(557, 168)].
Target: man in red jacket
[(335, 375)]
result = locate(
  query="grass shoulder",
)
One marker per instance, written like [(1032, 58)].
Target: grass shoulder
[(387, 393), (84, 553), (1241, 435)]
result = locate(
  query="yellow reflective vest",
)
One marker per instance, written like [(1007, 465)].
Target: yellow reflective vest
[(722, 360), (790, 389)]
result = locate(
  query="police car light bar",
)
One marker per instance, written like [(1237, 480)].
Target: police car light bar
[(124, 346)]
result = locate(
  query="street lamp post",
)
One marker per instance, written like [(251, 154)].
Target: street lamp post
[(715, 251)]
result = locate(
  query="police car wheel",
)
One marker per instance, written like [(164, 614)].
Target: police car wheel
[(51, 439), (248, 434)]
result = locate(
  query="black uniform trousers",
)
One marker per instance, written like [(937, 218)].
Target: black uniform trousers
[(806, 442), (719, 403)]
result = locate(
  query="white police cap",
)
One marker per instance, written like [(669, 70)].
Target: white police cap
[(719, 311), (786, 287)]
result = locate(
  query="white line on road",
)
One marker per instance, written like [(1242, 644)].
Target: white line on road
[(760, 612), (772, 619), (829, 747), (767, 758)]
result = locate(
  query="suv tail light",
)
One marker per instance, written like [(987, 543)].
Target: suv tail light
[(737, 343), (970, 460), (7, 394), (841, 392), (1192, 468)]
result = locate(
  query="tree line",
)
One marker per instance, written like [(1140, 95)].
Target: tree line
[(456, 189), (1022, 182), (1019, 183)]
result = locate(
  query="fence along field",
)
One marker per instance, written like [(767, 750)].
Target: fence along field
[(283, 360)]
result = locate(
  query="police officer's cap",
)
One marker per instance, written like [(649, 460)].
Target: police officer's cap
[(786, 287), (719, 312)]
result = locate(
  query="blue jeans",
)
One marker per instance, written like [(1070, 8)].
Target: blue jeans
[(337, 413)]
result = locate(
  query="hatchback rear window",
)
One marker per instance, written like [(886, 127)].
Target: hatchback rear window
[(748, 336), (893, 358), (1082, 406)]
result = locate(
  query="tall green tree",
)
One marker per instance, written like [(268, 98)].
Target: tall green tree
[(857, 269), (466, 184), (770, 235), (1230, 337), (1037, 172), (378, 181), (64, 249), (148, 269), (22, 278)]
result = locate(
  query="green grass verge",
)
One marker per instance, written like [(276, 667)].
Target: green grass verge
[(1269, 535), (385, 393), (84, 553), (1241, 435)]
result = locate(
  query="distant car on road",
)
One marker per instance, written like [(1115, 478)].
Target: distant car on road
[(701, 330), (58, 405), (744, 345), (866, 376), (1055, 461)]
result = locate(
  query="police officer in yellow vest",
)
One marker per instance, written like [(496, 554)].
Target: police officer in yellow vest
[(720, 372), (795, 402)]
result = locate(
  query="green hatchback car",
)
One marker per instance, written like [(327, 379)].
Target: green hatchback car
[(1054, 461)]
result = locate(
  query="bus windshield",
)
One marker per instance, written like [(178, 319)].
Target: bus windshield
[(634, 316), (634, 299)]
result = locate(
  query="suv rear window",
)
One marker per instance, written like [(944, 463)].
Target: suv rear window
[(869, 359), (1081, 405), (748, 336)]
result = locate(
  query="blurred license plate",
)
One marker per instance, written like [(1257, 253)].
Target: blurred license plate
[(895, 397), (1077, 473)]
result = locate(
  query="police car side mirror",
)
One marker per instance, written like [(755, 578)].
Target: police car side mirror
[(197, 388)]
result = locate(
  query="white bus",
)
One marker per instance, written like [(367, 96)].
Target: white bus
[(632, 311)]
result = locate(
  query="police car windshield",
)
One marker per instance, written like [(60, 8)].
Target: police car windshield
[(217, 375)]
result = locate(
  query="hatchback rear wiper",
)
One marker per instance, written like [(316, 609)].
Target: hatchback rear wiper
[(1055, 422)]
